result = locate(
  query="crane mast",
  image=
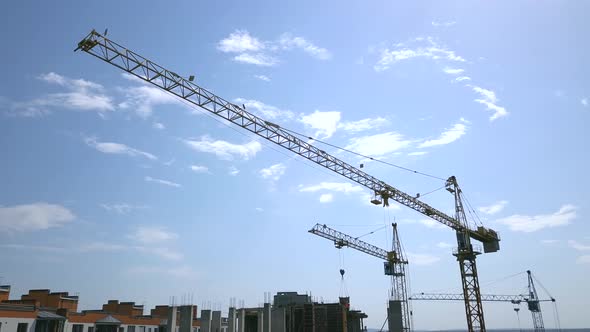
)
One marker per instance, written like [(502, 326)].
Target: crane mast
[(119, 56), (534, 305), (399, 316)]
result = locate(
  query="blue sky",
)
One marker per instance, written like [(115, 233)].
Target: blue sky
[(115, 190)]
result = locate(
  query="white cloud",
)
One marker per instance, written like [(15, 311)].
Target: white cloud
[(489, 99), (448, 136), (584, 101), (150, 235), (527, 224), (263, 110), (258, 59), (199, 169), (431, 223), (225, 150), (117, 148), (364, 124), (422, 259), (585, 259), (259, 209), (144, 98), (344, 187), (494, 208), (453, 71), (325, 123), (427, 48), (240, 41), (288, 42), (273, 172), (81, 95), (578, 246), (462, 78), (443, 24), (102, 246), (326, 198), (444, 245), (256, 52), (417, 153), (50, 249), (162, 252), (164, 182), (262, 78), (233, 171), (34, 217), (158, 125), (379, 144), (549, 242), (122, 208)]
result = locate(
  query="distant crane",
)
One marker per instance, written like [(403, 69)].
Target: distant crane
[(531, 299), (119, 56), (395, 266)]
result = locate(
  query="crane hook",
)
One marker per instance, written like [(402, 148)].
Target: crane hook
[(342, 273)]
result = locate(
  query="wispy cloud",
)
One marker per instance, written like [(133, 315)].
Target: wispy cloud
[(273, 172), (142, 99), (287, 41), (152, 234), (585, 259), (158, 125), (325, 123), (326, 198), (123, 208), (549, 242), (34, 217), (224, 150), (199, 169), (462, 78), (180, 272), (443, 24), (362, 125), (379, 144), (117, 148), (80, 95), (584, 102), (528, 224), (256, 59), (417, 153), (42, 248), (264, 110), (240, 41), (453, 71), (262, 78), (164, 182), (444, 245), (343, 187), (448, 136), (494, 208), (489, 99), (251, 50), (418, 48), (233, 171), (148, 249), (578, 246)]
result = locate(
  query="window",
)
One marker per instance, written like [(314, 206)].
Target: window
[(22, 327), (90, 328), (77, 328), (131, 328), (121, 329)]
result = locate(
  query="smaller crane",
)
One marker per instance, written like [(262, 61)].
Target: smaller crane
[(398, 313), (531, 299)]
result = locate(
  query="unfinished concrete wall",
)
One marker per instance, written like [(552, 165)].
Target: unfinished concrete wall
[(171, 319), (395, 319), (231, 320), (216, 321), (266, 318), (241, 320), (186, 318), (205, 320), (278, 322)]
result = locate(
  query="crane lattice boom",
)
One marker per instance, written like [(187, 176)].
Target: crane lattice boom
[(343, 240), (137, 65)]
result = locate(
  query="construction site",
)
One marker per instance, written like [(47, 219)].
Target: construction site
[(292, 312)]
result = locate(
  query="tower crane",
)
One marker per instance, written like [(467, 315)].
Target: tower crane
[(531, 299), (395, 266), (119, 56)]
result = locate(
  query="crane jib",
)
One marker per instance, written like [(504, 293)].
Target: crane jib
[(139, 66)]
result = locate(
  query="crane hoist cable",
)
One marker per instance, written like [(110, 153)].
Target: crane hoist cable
[(364, 156)]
